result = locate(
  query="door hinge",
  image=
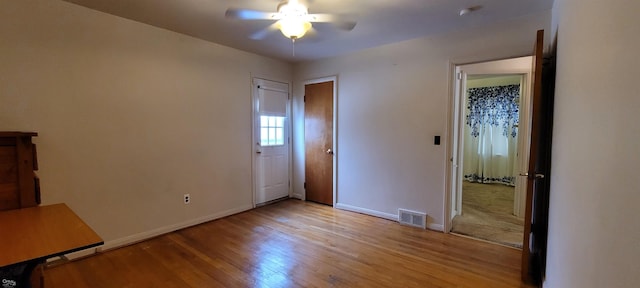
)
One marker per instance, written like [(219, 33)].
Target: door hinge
[(304, 98), (459, 76), (304, 185)]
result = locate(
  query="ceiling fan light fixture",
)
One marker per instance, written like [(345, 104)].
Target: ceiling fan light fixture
[(293, 27), (293, 23)]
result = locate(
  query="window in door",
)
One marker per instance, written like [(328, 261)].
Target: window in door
[(271, 130)]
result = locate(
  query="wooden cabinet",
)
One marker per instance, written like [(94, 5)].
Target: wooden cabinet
[(19, 185)]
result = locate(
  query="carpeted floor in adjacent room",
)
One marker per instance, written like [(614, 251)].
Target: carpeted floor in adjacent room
[(487, 213)]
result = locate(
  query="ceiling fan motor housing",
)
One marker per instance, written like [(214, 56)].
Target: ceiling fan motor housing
[(292, 8)]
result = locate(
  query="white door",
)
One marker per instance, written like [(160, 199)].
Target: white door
[(458, 138), (271, 139)]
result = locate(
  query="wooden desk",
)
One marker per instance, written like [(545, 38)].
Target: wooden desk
[(29, 236)]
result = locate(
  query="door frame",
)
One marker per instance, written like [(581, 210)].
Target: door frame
[(336, 151), (453, 189), (262, 81)]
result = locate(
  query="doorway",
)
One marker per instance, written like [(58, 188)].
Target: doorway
[(491, 129), (319, 138), (271, 141)]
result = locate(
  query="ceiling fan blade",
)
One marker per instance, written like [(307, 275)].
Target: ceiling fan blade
[(246, 14), (341, 21), (345, 25), (263, 33), (312, 36), (311, 33)]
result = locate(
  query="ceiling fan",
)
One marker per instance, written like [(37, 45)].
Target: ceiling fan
[(292, 19)]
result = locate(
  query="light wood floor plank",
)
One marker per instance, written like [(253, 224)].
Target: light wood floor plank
[(297, 244)]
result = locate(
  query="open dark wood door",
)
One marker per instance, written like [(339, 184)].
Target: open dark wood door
[(318, 139), (534, 246)]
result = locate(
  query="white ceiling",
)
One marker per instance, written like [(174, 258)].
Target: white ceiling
[(379, 21)]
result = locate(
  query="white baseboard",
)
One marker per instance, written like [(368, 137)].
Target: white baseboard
[(351, 208), (166, 229), (81, 253), (297, 196), (392, 217), (155, 232), (435, 227)]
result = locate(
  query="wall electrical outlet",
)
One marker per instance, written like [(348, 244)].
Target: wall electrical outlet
[(187, 198)]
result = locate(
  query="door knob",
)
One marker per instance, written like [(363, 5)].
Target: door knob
[(329, 151)]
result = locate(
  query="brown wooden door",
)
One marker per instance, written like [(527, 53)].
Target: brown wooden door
[(537, 200), (318, 138)]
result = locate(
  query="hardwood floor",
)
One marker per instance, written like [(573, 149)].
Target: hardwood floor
[(297, 244)]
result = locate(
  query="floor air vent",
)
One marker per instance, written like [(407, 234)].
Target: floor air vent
[(412, 218)]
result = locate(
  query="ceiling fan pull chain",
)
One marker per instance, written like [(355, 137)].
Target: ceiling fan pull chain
[(293, 45)]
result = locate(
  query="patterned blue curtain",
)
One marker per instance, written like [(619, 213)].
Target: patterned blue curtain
[(491, 134), (497, 106)]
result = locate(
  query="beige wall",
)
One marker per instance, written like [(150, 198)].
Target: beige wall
[(392, 101), (594, 232), (130, 117)]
